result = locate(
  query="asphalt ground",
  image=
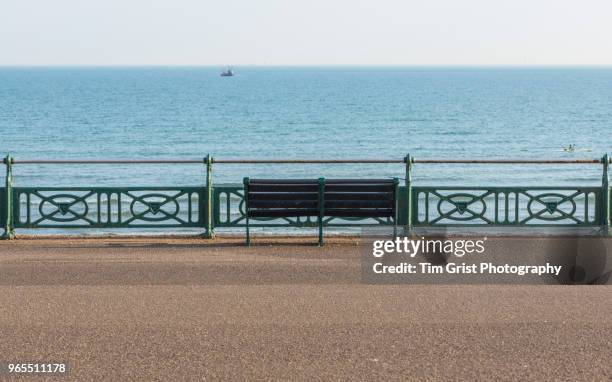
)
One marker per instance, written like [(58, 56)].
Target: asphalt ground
[(173, 309)]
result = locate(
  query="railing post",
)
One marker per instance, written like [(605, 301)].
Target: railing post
[(408, 160), (321, 209), (395, 191), (246, 181), (605, 189), (9, 229), (209, 198)]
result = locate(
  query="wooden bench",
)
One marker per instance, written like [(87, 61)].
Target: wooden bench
[(342, 198)]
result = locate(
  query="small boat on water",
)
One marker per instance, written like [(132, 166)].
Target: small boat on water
[(227, 72)]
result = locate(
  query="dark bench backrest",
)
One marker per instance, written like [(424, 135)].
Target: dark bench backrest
[(282, 197), (341, 197), (360, 197)]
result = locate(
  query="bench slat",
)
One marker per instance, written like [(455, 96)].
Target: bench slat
[(359, 181), (357, 204), (283, 196), (287, 212), (283, 188), (283, 181), (359, 187), (382, 212), (358, 195), (284, 204)]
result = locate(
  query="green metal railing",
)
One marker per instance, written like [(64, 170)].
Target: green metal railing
[(222, 206)]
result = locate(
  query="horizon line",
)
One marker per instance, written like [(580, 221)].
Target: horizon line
[(309, 65)]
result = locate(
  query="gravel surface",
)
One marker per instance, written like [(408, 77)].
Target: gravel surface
[(192, 309)]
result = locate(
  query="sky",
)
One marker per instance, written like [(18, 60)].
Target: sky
[(305, 32)]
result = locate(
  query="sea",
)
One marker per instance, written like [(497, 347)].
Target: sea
[(305, 113)]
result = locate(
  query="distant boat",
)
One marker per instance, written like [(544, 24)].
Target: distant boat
[(227, 72)]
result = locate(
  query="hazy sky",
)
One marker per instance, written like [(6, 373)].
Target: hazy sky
[(306, 32)]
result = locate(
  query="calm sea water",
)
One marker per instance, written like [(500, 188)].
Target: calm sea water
[(51, 113), (304, 113)]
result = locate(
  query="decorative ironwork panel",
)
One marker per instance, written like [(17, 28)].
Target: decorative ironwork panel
[(228, 206), (149, 207), (515, 206), (114, 207)]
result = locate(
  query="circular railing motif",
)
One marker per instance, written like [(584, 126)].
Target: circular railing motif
[(147, 207), (63, 208), (551, 206), (455, 206)]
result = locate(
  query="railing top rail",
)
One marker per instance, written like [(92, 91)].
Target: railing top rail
[(306, 161), (104, 161), (314, 161), (511, 161)]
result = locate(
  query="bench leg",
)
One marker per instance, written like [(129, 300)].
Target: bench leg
[(248, 233), (320, 234)]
